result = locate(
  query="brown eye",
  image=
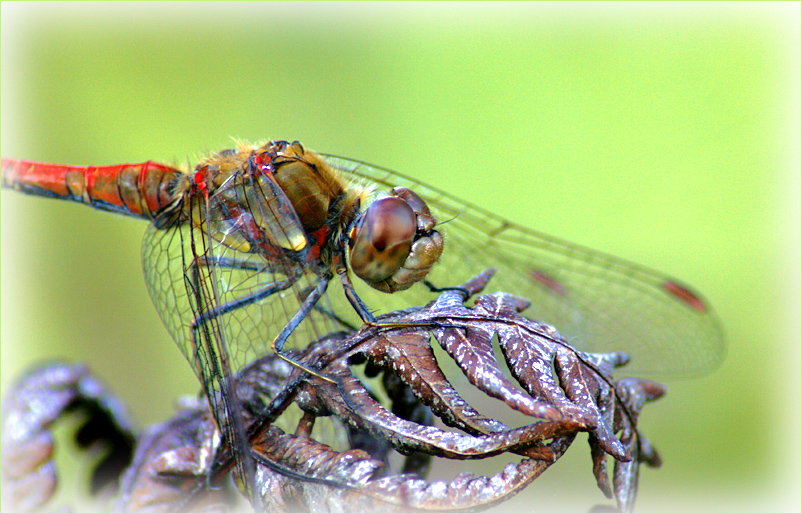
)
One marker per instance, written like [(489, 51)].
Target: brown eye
[(382, 239)]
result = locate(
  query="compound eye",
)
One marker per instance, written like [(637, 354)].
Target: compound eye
[(382, 239)]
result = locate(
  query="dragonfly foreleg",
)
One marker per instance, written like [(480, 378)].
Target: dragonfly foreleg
[(369, 319), (435, 289), (356, 302)]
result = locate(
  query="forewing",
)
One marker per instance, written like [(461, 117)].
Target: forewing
[(183, 288), (237, 295), (225, 280), (599, 302)]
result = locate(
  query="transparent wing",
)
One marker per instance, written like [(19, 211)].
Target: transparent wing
[(183, 288), (225, 279), (223, 298), (599, 302)]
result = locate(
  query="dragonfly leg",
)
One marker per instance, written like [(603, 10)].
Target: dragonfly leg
[(306, 307), (195, 287), (328, 313), (202, 321), (260, 294), (435, 289), (202, 327), (228, 262), (368, 318), (239, 264), (356, 302)]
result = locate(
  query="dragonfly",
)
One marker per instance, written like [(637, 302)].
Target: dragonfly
[(240, 251)]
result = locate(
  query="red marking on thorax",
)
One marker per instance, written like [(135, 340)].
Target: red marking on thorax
[(319, 239), (264, 161), (200, 180)]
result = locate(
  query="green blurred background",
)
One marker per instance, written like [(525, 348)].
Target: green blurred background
[(666, 134)]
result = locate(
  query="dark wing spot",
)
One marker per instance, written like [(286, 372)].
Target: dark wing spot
[(549, 283), (685, 295)]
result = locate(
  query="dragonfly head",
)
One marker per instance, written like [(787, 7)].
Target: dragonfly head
[(393, 243)]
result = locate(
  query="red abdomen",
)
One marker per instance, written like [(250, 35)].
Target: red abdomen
[(141, 190)]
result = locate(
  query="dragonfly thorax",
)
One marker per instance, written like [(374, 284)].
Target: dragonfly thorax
[(391, 245)]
